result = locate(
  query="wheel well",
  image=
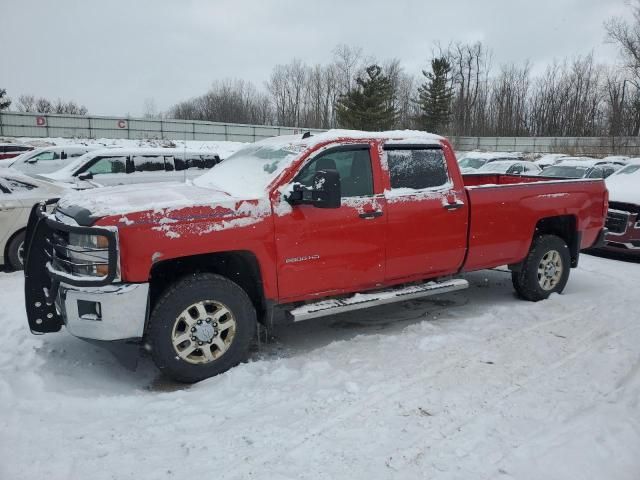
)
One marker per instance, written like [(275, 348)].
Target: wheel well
[(565, 227), (240, 267)]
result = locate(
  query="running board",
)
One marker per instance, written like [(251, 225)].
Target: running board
[(366, 300)]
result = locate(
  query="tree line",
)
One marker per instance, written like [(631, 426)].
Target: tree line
[(33, 104), (458, 93)]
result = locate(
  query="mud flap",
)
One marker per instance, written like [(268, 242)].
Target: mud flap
[(39, 290)]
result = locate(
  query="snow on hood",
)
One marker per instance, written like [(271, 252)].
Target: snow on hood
[(108, 201), (624, 188)]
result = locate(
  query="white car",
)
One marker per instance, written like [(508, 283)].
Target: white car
[(550, 159), (47, 159), (474, 160), (581, 167), (18, 194), (122, 166), (510, 167)]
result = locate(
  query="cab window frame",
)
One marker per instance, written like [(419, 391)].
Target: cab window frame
[(338, 149), (409, 147)]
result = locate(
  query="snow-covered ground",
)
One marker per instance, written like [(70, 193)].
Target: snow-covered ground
[(471, 385), (222, 148)]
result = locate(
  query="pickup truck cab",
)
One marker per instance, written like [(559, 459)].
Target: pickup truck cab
[(288, 229)]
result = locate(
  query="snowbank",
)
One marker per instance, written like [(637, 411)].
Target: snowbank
[(475, 384)]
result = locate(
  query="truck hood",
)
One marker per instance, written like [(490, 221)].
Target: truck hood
[(159, 199)]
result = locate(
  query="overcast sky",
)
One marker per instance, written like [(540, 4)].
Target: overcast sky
[(112, 55)]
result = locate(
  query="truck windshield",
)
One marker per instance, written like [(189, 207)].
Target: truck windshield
[(249, 171)]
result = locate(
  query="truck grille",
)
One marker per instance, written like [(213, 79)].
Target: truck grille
[(617, 221)]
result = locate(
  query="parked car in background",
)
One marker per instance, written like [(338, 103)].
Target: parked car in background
[(580, 167), (550, 159), (10, 150), (617, 159), (623, 219), (18, 194), (510, 167), (474, 160), (47, 159), (138, 165)]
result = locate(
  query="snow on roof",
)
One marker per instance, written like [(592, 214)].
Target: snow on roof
[(578, 162), (493, 155), (397, 136)]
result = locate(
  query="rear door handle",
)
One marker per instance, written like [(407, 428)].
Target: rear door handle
[(370, 215), (453, 206)]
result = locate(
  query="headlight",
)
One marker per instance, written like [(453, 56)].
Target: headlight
[(88, 254)]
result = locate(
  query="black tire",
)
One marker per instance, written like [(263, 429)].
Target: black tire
[(174, 302), (14, 257), (527, 281)]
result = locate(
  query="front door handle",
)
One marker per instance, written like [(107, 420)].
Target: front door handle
[(453, 206), (371, 214)]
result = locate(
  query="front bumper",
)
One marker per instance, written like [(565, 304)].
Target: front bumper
[(98, 308), (111, 312)]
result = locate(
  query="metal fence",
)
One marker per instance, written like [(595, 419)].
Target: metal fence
[(592, 146), (74, 126)]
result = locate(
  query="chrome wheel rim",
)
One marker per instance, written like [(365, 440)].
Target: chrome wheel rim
[(550, 270), (203, 332), (21, 253)]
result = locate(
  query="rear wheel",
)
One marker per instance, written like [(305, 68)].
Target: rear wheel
[(545, 270), (15, 252), (200, 327)]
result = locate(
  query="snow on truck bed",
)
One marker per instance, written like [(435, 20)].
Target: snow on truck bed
[(471, 385)]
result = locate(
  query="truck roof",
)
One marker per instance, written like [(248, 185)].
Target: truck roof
[(412, 136)]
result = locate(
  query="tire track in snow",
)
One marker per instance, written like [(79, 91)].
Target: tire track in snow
[(388, 395)]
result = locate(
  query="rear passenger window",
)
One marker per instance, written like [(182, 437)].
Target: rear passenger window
[(195, 161), (148, 163), (417, 168)]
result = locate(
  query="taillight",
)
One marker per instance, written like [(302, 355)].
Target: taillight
[(605, 203)]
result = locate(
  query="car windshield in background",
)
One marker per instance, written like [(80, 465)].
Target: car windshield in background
[(472, 162), (250, 170), (565, 172), (496, 167), (629, 169)]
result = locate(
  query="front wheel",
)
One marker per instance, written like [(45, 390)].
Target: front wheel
[(15, 252), (545, 270), (200, 327)]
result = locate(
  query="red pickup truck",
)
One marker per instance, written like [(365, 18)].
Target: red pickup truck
[(288, 229)]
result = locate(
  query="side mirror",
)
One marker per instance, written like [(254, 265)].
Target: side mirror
[(325, 193), (85, 176), (31, 160)]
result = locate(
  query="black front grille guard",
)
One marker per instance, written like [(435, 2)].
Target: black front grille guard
[(42, 281)]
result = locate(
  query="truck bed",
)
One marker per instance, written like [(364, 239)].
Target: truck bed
[(504, 212)]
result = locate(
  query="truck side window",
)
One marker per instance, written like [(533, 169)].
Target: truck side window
[(353, 166), (417, 168)]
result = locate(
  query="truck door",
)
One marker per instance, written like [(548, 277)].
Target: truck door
[(331, 250), (427, 214)]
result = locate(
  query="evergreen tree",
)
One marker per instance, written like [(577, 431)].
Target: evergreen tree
[(434, 96), (4, 101), (369, 105)]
